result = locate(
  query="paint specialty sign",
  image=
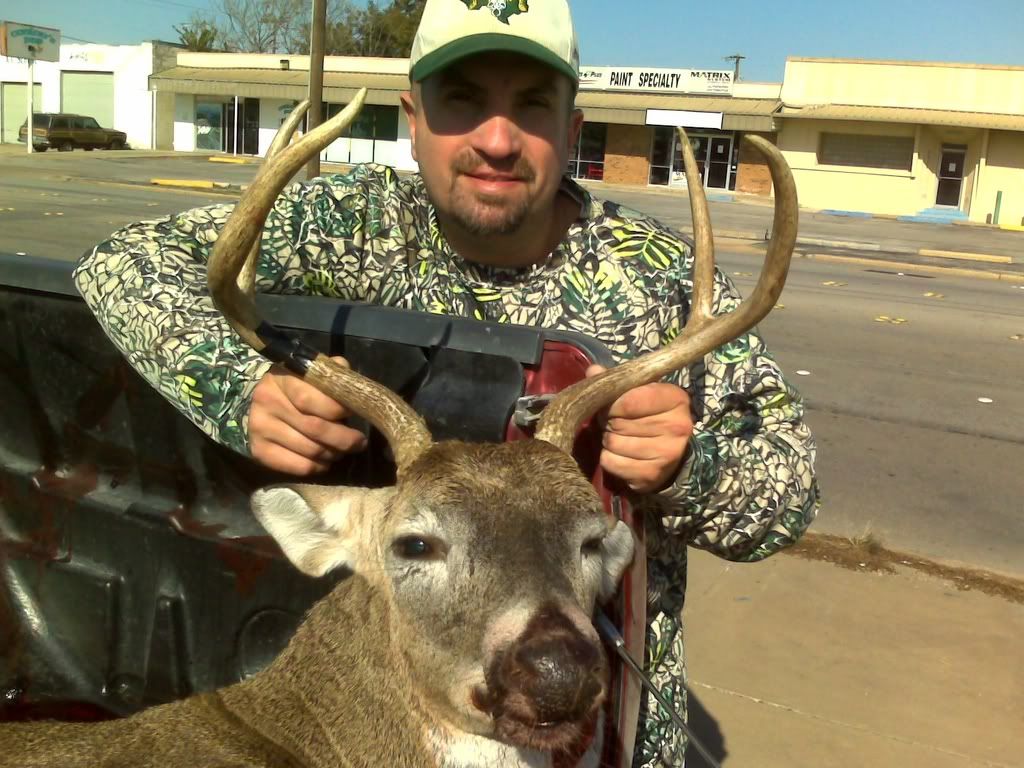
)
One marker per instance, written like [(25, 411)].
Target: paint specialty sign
[(23, 41), (698, 81)]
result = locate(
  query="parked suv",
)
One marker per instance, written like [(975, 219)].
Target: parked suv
[(65, 132)]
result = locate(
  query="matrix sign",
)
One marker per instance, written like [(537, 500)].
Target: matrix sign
[(24, 41)]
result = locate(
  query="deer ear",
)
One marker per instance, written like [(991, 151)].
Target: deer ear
[(320, 528), (618, 547)]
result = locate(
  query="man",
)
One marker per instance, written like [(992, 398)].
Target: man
[(488, 229)]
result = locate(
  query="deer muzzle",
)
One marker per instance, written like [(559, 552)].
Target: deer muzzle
[(544, 689)]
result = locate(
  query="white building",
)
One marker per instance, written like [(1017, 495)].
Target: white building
[(231, 102), (107, 82)]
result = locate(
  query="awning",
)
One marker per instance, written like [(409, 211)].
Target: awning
[(905, 115), (339, 87), (631, 109)]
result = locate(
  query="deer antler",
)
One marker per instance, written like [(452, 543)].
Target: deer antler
[(231, 278), (247, 277), (703, 332)]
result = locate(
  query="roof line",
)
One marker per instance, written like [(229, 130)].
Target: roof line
[(902, 109), (906, 63)]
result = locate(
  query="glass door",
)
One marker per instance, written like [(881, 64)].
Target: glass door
[(719, 162), (951, 176), (250, 125), (713, 153)]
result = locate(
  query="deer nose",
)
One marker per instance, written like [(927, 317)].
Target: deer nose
[(560, 677)]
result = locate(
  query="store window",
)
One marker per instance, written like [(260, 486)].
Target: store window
[(371, 138), (378, 122), (866, 151), (587, 161), (210, 117)]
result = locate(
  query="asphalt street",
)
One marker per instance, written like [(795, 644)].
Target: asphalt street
[(56, 216), (912, 378), (913, 388)]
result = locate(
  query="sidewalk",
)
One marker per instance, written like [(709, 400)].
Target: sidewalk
[(973, 247), (968, 250), (797, 662)]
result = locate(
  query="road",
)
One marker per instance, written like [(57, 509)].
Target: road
[(920, 423), (56, 216), (906, 447)]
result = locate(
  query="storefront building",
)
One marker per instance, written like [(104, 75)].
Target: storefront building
[(637, 111), (910, 139), (933, 141), (106, 82), (235, 102)]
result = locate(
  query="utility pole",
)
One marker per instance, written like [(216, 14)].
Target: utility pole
[(316, 78), (737, 58), (30, 105)]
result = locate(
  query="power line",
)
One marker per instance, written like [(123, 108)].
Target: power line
[(65, 36), (172, 3)]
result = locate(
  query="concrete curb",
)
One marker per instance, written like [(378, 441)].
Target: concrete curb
[(853, 245), (1015, 278), (190, 183)]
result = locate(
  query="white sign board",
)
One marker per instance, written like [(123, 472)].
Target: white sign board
[(24, 41), (692, 81), (682, 118)]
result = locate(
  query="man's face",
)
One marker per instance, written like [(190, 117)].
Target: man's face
[(492, 135)]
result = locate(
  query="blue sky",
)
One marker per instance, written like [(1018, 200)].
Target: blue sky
[(656, 33)]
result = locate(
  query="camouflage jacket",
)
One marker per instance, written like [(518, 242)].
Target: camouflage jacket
[(747, 488)]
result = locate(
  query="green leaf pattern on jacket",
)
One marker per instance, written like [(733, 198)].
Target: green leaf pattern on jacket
[(746, 489)]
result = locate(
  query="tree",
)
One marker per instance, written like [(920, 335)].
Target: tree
[(265, 26), (198, 35), (261, 26), (282, 26), (375, 31)]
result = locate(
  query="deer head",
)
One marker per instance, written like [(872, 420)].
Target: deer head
[(491, 557)]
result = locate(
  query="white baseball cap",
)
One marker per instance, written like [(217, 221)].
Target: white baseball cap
[(453, 29)]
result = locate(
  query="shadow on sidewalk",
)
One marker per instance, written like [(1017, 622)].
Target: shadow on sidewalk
[(705, 728)]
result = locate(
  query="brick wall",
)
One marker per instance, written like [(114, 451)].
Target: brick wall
[(626, 154), (752, 176)]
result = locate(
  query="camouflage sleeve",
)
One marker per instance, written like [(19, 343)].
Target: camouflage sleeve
[(747, 487), (146, 285)]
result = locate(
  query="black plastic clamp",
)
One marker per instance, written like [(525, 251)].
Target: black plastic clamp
[(285, 349)]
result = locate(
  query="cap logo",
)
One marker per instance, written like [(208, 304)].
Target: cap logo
[(502, 9)]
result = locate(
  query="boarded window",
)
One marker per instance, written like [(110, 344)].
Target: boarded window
[(864, 151)]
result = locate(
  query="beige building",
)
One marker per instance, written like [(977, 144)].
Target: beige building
[(906, 138), (921, 140)]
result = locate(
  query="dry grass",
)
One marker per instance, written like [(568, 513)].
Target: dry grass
[(867, 553)]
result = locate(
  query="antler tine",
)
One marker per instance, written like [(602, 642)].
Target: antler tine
[(703, 238), (283, 137), (703, 333), (238, 243)]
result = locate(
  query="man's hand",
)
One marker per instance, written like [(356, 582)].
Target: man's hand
[(295, 428), (646, 434)]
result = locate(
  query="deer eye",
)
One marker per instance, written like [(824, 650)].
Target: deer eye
[(417, 548), (592, 545)]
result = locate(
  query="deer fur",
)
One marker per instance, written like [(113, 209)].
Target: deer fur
[(465, 638), (391, 667)]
